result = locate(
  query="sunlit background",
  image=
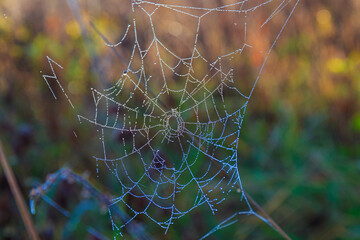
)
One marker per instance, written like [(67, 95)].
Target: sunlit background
[(300, 141)]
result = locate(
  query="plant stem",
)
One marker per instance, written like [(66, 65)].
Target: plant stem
[(20, 202), (262, 211)]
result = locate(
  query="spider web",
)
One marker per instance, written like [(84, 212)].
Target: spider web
[(169, 127)]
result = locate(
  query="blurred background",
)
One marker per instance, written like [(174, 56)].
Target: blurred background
[(299, 146)]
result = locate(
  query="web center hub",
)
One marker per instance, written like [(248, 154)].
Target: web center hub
[(173, 124)]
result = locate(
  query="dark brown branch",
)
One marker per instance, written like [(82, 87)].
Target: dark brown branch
[(19, 199)]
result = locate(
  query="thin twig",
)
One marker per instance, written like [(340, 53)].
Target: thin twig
[(262, 211), (20, 202), (75, 8)]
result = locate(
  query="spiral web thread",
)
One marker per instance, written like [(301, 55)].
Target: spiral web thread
[(171, 123)]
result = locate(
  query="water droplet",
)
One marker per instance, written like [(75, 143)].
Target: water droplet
[(32, 206)]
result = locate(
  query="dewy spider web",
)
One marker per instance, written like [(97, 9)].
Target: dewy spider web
[(170, 125)]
